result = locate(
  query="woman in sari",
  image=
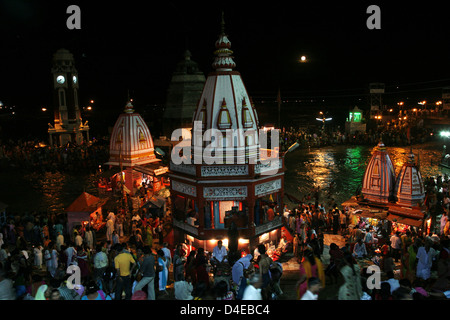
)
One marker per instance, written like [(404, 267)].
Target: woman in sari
[(190, 271), (201, 262), (311, 266), (408, 260), (164, 272), (82, 261), (149, 235)]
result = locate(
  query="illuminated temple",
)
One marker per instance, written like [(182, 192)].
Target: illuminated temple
[(224, 188), (132, 152)]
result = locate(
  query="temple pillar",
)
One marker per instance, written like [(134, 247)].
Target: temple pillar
[(129, 180), (251, 215), (201, 213)]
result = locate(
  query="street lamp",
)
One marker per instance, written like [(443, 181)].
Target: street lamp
[(323, 119)]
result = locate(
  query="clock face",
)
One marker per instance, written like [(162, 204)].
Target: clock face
[(74, 78), (60, 79)]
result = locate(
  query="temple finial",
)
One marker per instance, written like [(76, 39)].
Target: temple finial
[(222, 24), (223, 60)]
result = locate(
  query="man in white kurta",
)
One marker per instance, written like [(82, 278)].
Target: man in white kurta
[(59, 241), (89, 238), (425, 256), (78, 240), (220, 253)]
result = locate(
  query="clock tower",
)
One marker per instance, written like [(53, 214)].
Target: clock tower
[(68, 126)]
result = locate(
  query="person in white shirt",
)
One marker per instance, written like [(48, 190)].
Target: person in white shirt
[(59, 241), (425, 256), (70, 253), (37, 250), (219, 254), (394, 283), (396, 245), (314, 287), (359, 250), (111, 216), (286, 212), (183, 289), (100, 262), (109, 229), (78, 240), (89, 238), (253, 289), (167, 253)]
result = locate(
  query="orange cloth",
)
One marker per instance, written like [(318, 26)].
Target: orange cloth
[(270, 214)]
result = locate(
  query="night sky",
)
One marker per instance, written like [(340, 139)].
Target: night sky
[(134, 46)]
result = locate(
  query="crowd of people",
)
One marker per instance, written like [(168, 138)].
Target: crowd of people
[(132, 264), (313, 137), (413, 263), (37, 250), (38, 157)]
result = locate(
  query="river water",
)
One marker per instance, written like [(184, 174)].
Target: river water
[(343, 165)]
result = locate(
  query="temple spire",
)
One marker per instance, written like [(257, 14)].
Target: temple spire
[(223, 60)]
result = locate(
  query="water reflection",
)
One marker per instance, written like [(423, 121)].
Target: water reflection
[(342, 165), (44, 192)]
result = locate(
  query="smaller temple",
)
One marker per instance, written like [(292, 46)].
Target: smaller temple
[(132, 151), (86, 209), (409, 188), (379, 177)]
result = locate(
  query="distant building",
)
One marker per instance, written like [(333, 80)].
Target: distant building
[(68, 126), (182, 96), (354, 121), (446, 98), (376, 91)]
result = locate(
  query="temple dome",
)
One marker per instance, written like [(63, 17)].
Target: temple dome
[(225, 105), (131, 142), (409, 188), (379, 177)]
